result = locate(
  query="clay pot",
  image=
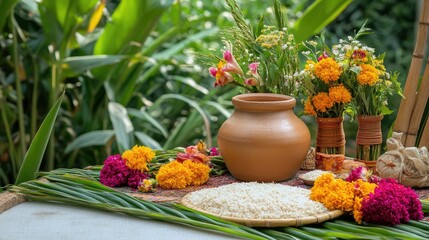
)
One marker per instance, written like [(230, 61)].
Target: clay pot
[(263, 140), (369, 137)]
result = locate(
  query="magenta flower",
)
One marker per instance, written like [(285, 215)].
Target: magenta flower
[(391, 204), (214, 151), (114, 172), (323, 56), (135, 178), (355, 174), (213, 71)]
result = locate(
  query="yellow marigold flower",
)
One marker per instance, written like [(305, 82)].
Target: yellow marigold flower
[(340, 94), (322, 102), (138, 157), (308, 107), (368, 75), (200, 172), (174, 175), (328, 70)]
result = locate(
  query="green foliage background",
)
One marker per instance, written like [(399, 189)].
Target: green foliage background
[(152, 90)]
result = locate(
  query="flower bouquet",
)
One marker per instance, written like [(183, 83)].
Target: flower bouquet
[(259, 60), (368, 198), (327, 99), (370, 85), (144, 169)]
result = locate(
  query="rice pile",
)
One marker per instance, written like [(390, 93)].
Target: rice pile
[(256, 201), (312, 175)]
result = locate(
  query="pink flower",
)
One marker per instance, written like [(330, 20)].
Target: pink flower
[(232, 65), (323, 56), (222, 77), (214, 151), (213, 71), (135, 178), (254, 68), (192, 153), (251, 82), (114, 172)]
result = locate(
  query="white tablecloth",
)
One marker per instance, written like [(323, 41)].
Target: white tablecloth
[(34, 220)]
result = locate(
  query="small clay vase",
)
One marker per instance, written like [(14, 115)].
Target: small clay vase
[(263, 140)]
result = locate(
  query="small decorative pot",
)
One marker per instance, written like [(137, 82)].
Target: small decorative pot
[(263, 140), (330, 136), (368, 140)]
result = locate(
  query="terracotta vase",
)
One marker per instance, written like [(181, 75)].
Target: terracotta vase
[(330, 136), (330, 144), (368, 140), (263, 140)]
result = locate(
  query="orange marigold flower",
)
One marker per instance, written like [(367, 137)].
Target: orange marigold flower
[(322, 102), (328, 70), (340, 94), (308, 107), (200, 172), (368, 75), (333, 193), (174, 175), (138, 157)]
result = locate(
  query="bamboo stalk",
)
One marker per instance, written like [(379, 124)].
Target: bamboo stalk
[(422, 97), (406, 107), (424, 141)]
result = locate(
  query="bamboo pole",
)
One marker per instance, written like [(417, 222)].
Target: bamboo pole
[(406, 107), (422, 97), (424, 141)]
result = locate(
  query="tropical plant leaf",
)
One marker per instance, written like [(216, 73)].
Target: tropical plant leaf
[(94, 138), (33, 157), (132, 21), (147, 140), (317, 16), (5, 7), (122, 126), (82, 63), (60, 18), (191, 82), (142, 114)]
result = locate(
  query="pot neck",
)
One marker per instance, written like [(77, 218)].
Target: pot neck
[(263, 102)]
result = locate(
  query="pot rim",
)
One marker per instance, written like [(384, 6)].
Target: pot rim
[(263, 102)]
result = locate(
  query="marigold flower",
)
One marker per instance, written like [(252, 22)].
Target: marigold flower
[(308, 107), (328, 70), (114, 172), (322, 102), (200, 172), (138, 157), (340, 94), (174, 175), (368, 75)]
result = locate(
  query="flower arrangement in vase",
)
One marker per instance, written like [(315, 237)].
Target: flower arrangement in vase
[(263, 140), (327, 99), (370, 85)]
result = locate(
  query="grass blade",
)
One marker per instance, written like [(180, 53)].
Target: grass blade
[(33, 157)]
